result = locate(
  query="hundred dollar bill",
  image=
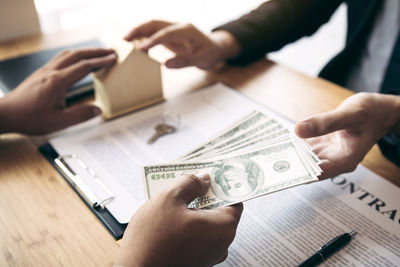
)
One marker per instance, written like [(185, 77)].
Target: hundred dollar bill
[(243, 125), (275, 133), (232, 141), (308, 156), (239, 178), (275, 130)]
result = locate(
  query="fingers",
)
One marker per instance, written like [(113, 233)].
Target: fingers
[(225, 221), (234, 211), (146, 29), (69, 57), (329, 170), (227, 217), (192, 187), (169, 34), (332, 169), (178, 62), (326, 123), (80, 69), (78, 114), (223, 257)]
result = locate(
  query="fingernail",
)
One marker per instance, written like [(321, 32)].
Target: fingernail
[(204, 176), (307, 129), (143, 44)]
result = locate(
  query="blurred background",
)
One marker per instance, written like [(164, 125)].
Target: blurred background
[(116, 17)]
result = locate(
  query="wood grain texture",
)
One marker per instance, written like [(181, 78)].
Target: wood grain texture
[(44, 223)]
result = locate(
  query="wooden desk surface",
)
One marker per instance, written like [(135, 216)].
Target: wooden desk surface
[(44, 223)]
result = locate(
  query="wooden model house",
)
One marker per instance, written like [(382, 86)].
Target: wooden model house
[(132, 83)]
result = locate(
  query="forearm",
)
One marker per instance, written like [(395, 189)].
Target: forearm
[(276, 23), (13, 116), (129, 260), (396, 111), (390, 142), (227, 44), (5, 115)]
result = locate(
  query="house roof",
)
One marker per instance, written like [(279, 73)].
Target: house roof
[(124, 50)]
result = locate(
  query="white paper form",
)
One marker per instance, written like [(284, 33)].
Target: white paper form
[(287, 227), (116, 150)]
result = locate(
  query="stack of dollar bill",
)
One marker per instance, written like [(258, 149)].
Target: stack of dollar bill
[(257, 155)]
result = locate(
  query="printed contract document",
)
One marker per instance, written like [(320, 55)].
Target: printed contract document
[(281, 229), (285, 228)]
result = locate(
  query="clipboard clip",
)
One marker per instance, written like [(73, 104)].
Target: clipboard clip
[(79, 184)]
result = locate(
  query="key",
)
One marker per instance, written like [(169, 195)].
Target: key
[(161, 130)]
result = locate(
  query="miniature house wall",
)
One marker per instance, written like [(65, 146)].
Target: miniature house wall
[(134, 82)]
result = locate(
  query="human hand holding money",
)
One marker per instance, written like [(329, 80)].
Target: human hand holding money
[(165, 232), (256, 156)]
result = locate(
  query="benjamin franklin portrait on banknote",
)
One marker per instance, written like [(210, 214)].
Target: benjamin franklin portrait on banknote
[(235, 179)]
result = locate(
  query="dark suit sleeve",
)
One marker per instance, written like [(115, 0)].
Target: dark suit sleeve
[(276, 23)]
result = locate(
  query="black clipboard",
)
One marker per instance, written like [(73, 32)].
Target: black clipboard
[(115, 228)]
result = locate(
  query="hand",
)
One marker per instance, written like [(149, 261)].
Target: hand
[(190, 45), (165, 232), (342, 137), (38, 106)]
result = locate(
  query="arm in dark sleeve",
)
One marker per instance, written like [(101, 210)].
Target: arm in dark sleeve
[(390, 143), (276, 23)]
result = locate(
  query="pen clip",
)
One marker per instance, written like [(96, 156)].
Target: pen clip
[(352, 233)]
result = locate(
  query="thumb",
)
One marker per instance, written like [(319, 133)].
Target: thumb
[(79, 114), (192, 187), (325, 123)]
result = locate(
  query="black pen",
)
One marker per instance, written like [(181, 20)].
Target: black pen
[(328, 249)]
